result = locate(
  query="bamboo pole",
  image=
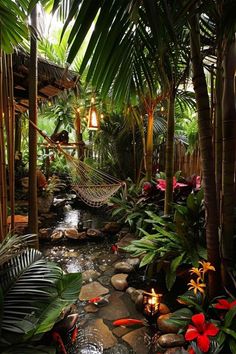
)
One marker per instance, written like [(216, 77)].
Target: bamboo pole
[(33, 80)]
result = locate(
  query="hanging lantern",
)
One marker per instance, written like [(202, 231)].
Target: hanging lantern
[(93, 120)]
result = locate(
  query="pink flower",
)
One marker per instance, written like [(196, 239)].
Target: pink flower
[(201, 331), (161, 184), (224, 304)]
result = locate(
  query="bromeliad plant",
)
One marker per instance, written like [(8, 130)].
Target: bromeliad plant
[(208, 327)]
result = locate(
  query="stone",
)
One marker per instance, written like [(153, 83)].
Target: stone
[(123, 267), (171, 340), (121, 331), (104, 280), (112, 227), (116, 308), (105, 335), (135, 294), (176, 350), (139, 303), (165, 326), (119, 281), (72, 234), (118, 349), (130, 290), (57, 235), (90, 275), (92, 290), (163, 309), (94, 233), (133, 261), (136, 340), (91, 308)]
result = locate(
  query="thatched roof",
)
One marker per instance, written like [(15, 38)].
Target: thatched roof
[(52, 80)]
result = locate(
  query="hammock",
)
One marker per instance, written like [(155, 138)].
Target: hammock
[(92, 186)]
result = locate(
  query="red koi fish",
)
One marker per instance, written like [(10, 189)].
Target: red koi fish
[(74, 335), (128, 322), (57, 338)]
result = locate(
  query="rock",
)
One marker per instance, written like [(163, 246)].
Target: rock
[(92, 290), (176, 350), (90, 275), (139, 303), (57, 235), (45, 233), (130, 290), (136, 339), (163, 309), (105, 335), (118, 349), (133, 261), (94, 233), (135, 294), (91, 308), (119, 281), (116, 308), (72, 234), (123, 267), (104, 280), (112, 227), (164, 326), (125, 241), (171, 340)]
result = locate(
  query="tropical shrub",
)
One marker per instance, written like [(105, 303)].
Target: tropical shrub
[(170, 245), (33, 294), (208, 326)]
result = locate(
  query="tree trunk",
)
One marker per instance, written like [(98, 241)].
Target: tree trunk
[(169, 170), (229, 126), (206, 149), (33, 79), (149, 144), (218, 127)]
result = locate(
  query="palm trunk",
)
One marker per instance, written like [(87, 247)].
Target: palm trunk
[(206, 149), (149, 144), (229, 126), (33, 79), (169, 170)]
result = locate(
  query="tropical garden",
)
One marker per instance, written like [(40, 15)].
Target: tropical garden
[(131, 104)]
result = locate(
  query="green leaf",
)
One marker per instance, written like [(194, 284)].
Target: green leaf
[(147, 259), (176, 262), (230, 316), (229, 331), (170, 279), (232, 345)]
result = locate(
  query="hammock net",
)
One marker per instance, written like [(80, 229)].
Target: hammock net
[(92, 186)]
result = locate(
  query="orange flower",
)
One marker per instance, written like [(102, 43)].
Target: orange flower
[(196, 271), (206, 266), (197, 286)]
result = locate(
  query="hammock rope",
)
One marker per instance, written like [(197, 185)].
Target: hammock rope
[(93, 187)]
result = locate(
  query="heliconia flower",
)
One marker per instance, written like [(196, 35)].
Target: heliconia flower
[(200, 331), (197, 286), (196, 271), (206, 266), (161, 184), (224, 304)]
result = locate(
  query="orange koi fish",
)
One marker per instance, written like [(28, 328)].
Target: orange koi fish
[(74, 335), (57, 339), (128, 322), (94, 300)]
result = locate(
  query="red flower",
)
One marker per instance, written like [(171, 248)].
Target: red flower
[(191, 350), (200, 331), (224, 304), (147, 186), (161, 184)]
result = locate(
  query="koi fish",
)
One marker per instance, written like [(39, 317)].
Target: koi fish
[(128, 322), (57, 338), (74, 335), (100, 300)]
